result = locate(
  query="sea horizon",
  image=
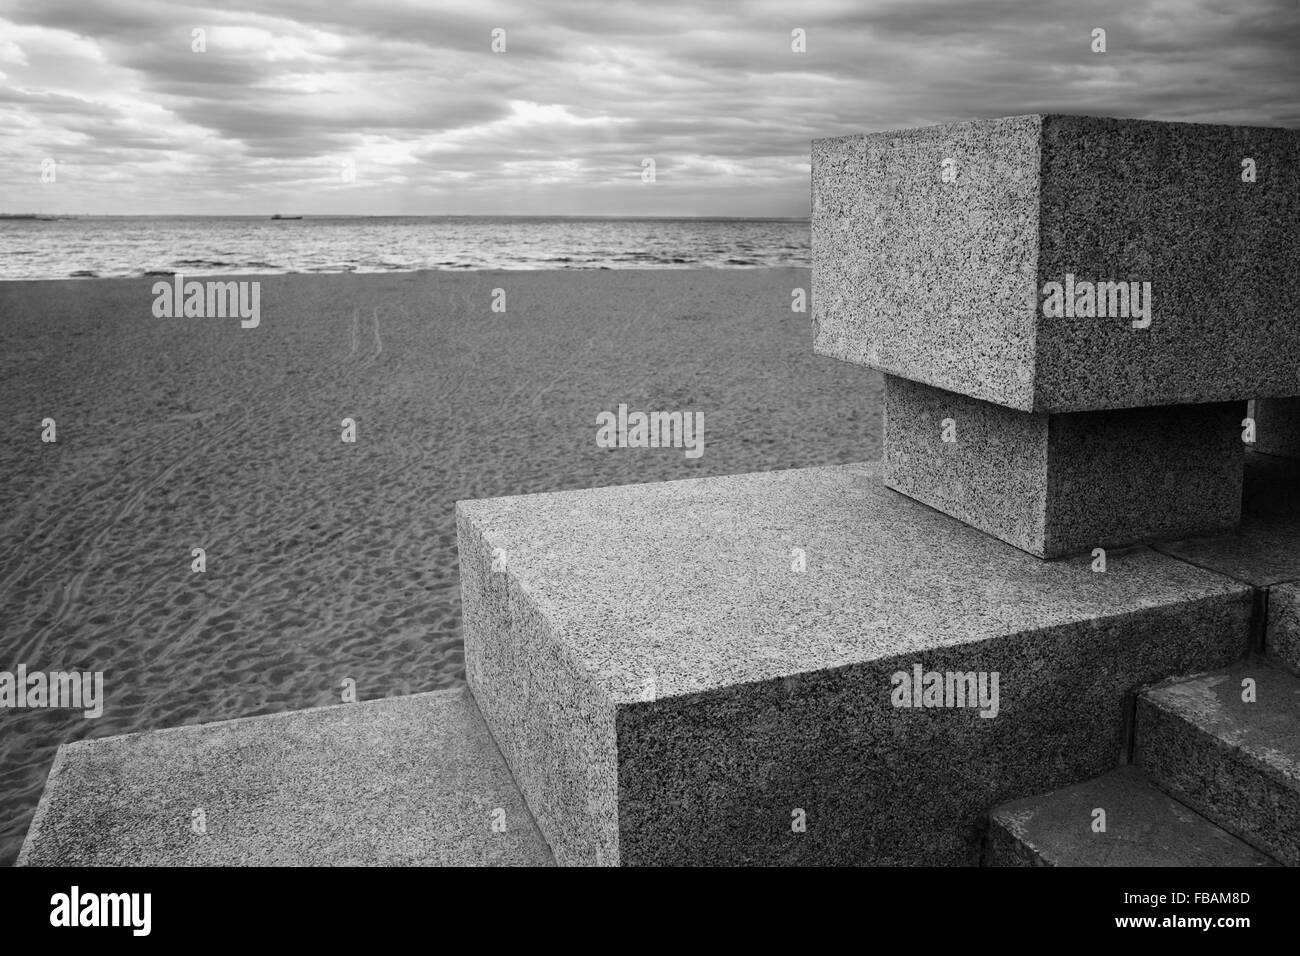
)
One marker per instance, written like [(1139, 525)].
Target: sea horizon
[(432, 215), (38, 246)]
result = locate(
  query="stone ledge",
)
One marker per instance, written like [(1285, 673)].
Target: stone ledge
[(411, 781), (667, 689)]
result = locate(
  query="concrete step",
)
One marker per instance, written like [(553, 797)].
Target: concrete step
[(403, 781), (1263, 552), (1143, 826), (712, 670), (1236, 762)]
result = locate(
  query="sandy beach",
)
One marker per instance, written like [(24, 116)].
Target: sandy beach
[(328, 560)]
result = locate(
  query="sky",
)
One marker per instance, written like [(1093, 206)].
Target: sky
[(397, 107)]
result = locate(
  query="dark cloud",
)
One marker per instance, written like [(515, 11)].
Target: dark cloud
[(289, 92)]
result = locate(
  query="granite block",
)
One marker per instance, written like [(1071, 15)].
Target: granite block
[(1235, 761), (1144, 827), (704, 671), (1282, 636), (1265, 550), (1277, 426), (943, 282), (402, 781), (1061, 484)]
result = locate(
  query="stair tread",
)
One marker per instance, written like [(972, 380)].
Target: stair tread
[(1267, 732), (1144, 827)]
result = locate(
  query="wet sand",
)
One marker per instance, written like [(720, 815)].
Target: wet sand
[(329, 561)]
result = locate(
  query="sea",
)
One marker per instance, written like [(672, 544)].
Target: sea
[(102, 246)]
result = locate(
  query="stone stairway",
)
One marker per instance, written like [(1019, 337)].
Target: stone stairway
[(1227, 744), (1144, 826), (1215, 782), (853, 664)]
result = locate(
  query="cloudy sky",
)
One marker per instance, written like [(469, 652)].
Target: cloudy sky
[(401, 106)]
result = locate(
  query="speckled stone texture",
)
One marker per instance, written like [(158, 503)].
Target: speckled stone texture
[(1265, 552), (668, 688), (403, 781), (1282, 639), (1062, 484), (1237, 763), (940, 282), (1266, 549), (1277, 425), (1144, 827)]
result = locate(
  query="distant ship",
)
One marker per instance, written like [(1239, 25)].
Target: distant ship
[(278, 216)]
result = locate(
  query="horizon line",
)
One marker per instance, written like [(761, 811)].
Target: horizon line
[(330, 215)]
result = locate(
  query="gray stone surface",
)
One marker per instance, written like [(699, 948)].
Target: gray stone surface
[(940, 282), (402, 781), (1062, 484), (1144, 827), (1282, 638), (1266, 549), (1235, 762), (667, 689), (1277, 425)]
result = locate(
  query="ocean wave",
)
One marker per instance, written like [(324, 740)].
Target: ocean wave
[(233, 245)]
